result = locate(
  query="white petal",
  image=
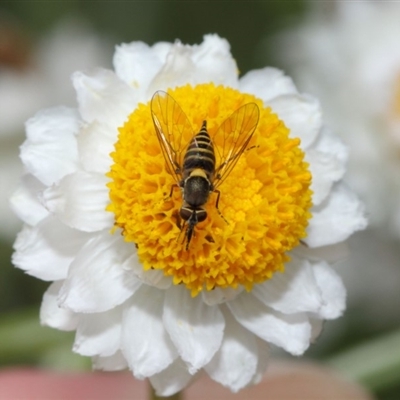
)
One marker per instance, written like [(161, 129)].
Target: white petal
[(329, 143), (155, 278), (301, 114), (161, 49), (177, 70), (195, 328), (291, 332), (50, 151), (304, 287), (116, 362), (210, 61), (325, 169), (235, 363), (103, 97), (333, 291), (293, 291), (332, 253), (99, 334), (263, 358), (219, 295), (152, 277), (327, 157), (47, 250), (336, 218), (213, 56), (97, 280), (145, 342), (80, 201), (267, 83), (172, 380), (25, 201), (136, 64), (54, 316), (95, 143)]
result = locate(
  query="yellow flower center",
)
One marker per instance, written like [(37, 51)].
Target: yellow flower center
[(265, 200)]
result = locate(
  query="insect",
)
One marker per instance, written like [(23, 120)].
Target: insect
[(191, 158)]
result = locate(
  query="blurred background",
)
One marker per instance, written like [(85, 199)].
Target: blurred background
[(345, 53)]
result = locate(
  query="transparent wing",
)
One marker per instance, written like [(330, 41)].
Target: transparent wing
[(233, 137), (173, 131)]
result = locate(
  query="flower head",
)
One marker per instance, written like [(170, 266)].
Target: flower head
[(270, 183), (103, 217)]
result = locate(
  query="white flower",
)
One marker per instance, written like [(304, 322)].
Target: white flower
[(134, 314), (350, 59)]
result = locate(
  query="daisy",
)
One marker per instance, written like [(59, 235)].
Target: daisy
[(102, 219)]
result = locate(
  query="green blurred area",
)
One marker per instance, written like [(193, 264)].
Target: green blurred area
[(246, 25)]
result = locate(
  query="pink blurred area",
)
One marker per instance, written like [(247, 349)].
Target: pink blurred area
[(284, 381), (34, 384)]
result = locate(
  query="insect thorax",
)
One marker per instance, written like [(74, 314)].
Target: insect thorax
[(196, 190)]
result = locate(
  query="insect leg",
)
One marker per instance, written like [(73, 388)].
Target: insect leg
[(170, 193), (189, 234), (182, 228), (216, 205)]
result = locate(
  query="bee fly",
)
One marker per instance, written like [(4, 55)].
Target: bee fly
[(193, 163)]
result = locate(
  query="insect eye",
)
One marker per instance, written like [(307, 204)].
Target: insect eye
[(185, 213), (201, 215)]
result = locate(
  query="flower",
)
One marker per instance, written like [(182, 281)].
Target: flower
[(100, 213)]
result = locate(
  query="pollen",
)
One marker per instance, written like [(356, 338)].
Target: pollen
[(263, 207)]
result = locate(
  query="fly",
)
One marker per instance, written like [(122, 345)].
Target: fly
[(193, 163)]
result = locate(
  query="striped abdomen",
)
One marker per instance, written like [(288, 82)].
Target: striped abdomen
[(200, 154)]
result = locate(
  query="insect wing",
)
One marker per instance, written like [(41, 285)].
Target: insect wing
[(233, 136), (173, 130)]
